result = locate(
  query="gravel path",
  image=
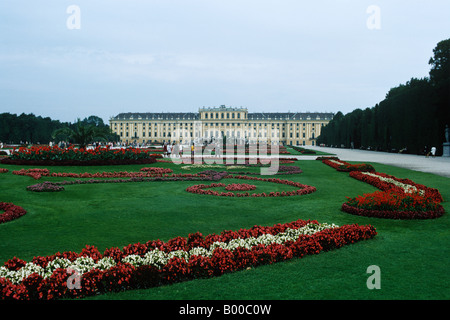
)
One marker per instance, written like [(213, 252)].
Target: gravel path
[(437, 165)]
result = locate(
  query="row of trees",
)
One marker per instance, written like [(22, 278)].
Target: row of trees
[(411, 118), (31, 129)]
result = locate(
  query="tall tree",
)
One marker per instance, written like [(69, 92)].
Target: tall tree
[(82, 134)]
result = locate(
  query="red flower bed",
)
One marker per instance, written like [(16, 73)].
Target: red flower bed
[(145, 172), (394, 214), (49, 156), (11, 212), (2, 170), (75, 163), (398, 199), (124, 276), (304, 189), (240, 187), (432, 193)]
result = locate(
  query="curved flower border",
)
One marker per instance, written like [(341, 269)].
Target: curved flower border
[(404, 188), (343, 166), (427, 208), (303, 189), (11, 211), (157, 263)]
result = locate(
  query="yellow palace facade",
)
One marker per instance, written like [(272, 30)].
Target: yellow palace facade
[(291, 128)]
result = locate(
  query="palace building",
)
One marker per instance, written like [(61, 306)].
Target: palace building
[(289, 128)]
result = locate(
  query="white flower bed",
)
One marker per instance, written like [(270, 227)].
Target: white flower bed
[(157, 257), (407, 188)]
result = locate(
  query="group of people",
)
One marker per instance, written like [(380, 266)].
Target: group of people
[(175, 150)]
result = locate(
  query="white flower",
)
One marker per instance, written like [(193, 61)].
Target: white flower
[(105, 263), (133, 259), (158, 258)]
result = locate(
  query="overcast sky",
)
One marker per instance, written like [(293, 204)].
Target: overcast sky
[(180, 55)]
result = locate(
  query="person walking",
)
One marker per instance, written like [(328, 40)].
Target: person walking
[(433, 152), (169, 150), (165, 150)]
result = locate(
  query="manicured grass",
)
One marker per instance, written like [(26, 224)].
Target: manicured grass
[(413, 255)]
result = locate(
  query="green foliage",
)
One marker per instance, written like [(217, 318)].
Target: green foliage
[(28, 128)]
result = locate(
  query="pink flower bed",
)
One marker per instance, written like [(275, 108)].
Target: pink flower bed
[(2, 170), (179, 259)]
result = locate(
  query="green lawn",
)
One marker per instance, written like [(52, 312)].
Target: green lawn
[(413, 255)]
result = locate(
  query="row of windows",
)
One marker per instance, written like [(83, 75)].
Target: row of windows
[(222, 124), (211, 134), (222, 115)]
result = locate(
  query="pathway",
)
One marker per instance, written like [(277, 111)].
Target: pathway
[(437, 165)]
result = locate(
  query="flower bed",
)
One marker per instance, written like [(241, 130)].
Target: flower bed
[(387, 182), (179, 259), (45, 187), (145, 172), (11, 212), (240, 187), (303, 150), (2, 170), (201, 176), (303, 189), (398, 198), (343, 166), (49, 156)]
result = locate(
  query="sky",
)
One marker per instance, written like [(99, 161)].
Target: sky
[(72, 59)]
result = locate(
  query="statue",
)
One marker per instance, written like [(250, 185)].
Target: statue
[(446, 133), (446, 145)]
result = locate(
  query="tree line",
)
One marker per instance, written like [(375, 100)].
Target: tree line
[(32, 129), (411, 119)]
